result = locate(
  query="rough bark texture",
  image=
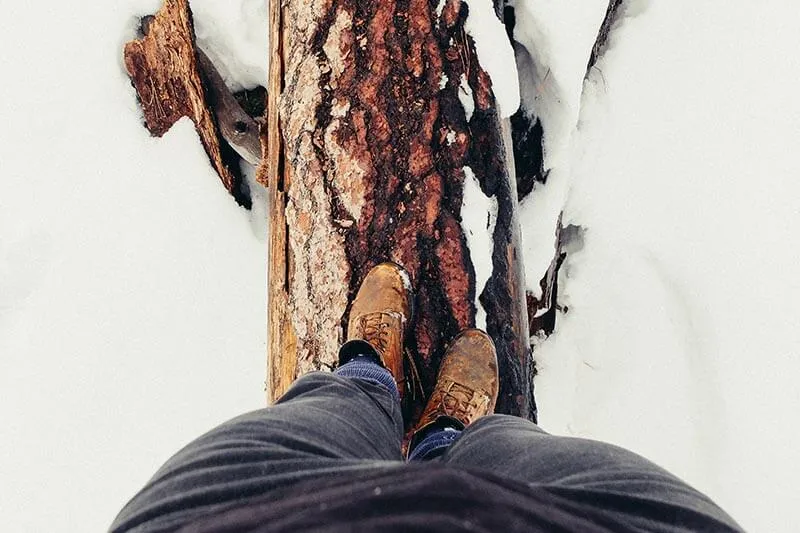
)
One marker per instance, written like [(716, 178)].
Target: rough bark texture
[(164, 70), (376, 141)]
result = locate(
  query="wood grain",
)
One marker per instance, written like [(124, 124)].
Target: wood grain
[(163, 68)]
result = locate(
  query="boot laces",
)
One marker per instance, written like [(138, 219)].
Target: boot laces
[(375, 328), (456, 400)]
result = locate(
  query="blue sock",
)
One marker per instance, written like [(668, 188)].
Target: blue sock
[(367, 368), (434, 444)]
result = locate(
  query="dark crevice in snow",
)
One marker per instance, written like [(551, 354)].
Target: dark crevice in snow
[(253, 101), (543, 310), (543, 322), (527, 135), (510, 21), (527, 132), (241, 189)]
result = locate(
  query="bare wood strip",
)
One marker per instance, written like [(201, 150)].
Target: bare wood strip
[(282, 350)]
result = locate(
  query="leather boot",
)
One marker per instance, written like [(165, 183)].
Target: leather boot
[(378, 317), (468, 383)]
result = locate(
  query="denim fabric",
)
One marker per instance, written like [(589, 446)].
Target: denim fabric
[(329, 426)]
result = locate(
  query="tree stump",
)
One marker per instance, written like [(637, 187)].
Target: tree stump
[(375, 158)]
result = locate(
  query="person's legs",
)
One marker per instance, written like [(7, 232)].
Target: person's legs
[(325, 423), (515, 447), (518, 449), (610, 481)]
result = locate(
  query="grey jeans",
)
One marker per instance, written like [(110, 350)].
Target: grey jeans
[(327, 424)]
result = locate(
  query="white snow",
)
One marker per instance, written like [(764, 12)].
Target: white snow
[(467, 97), (443, 81), (556, 38), (495, 54), (683, 328), (132, 288), (478, 219), (440, 7), (235, 35)]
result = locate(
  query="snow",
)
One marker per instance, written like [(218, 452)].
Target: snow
[(560, 57), (556, 38), (681, 338), (467, 97), (494, 53), (478, 219), (132, 288), (440, 7), (235, 36)]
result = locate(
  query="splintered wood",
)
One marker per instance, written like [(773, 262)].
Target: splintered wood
[(164, 70), (282, 348)]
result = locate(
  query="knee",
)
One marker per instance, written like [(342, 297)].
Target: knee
[(311, 382), (509, 433), (498, 423)]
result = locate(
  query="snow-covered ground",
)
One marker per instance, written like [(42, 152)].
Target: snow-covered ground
[(132, 289), (683, 331)]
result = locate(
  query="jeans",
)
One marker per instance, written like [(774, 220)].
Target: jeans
[(328, 423)]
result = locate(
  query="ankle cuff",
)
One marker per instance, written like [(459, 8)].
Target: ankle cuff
[(363, 368), (357, 347), (434, 443), (441, 423)]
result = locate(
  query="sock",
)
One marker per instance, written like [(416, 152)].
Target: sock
[(367, 367), (434, 442)]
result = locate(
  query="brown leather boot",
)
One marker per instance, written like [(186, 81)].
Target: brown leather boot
[(378, 316), (468, 382)]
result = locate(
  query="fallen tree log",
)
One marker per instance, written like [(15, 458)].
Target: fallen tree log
[(374, 158)]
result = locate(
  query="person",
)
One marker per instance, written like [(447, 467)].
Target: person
[(327, 456)]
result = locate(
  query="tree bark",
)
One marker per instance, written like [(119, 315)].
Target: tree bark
[(163, 68), (372, 166), (173, 78)]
